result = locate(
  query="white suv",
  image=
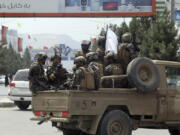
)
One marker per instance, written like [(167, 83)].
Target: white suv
[(19, 89)]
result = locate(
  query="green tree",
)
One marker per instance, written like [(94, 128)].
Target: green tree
[(10, 61), (157, 36), (120, 30), (3, 63), (161, 40), (26, 59)]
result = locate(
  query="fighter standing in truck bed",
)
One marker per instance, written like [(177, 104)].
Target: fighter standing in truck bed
[(56, 74), (37, 79)]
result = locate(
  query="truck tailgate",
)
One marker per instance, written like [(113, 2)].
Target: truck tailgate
[(50, 101)]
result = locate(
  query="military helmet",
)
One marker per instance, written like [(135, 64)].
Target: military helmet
[(92, 56), (55, 57), (41, 56), (127, 37), (86, 43), (80, 59)]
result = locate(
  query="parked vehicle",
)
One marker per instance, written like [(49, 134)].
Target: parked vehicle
[(19, 89), (2, 79)]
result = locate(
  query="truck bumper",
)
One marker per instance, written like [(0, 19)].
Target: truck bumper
[(64, 120)]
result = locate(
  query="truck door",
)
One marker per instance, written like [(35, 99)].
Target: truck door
[(173, 92), (162, 96)]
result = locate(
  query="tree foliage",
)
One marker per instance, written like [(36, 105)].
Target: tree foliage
[(157, 36), (160, 40), (26, 59), (11, 61)]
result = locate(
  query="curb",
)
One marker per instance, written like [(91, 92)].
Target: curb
[(6, 102)]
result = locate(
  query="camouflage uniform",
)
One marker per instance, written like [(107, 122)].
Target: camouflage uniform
[(126, 50), (78, 76), (85, 48), (82, 53), (37, 79), (95, 67), (56, 74), (82, 77), (78, 73), (112, 68), (101, 48)]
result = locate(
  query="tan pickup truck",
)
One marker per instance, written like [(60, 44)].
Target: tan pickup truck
[(116, 111)]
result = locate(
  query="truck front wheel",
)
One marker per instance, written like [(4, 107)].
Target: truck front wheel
[(115, 122), (174, 131)]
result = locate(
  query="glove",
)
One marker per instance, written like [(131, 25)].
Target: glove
[(52, 77)]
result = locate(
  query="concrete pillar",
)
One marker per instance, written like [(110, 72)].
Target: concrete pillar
[(61, 5)]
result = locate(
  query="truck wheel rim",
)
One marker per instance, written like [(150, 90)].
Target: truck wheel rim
[(115, 128), (145, 74)]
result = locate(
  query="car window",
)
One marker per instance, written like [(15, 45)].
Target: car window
[(21, 76), (173, 77)]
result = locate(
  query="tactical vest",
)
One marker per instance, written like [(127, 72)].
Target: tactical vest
[(100, 66), (80, 53), (123, 54), (88, 81), (114, 69)]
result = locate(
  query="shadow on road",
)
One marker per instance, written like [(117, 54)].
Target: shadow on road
[(27, 110)]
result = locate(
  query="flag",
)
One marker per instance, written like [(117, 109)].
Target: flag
[(20, 44), (45, 47), (111, 41), (30, 47), (4, 34)]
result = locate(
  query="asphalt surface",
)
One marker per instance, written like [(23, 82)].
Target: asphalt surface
[(3, 91), (16, 122)]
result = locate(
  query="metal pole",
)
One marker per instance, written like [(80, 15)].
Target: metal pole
[(173, 9)]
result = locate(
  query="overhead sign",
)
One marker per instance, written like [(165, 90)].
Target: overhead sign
[(76, 8), (177, 4), (177, 15)]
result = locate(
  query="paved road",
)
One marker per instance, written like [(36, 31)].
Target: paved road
[(16, 122), (3, 90)]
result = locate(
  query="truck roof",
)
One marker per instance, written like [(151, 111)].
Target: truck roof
[(170, 63)]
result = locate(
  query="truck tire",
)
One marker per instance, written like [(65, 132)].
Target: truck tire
[(22, 105), (115, 122), (143, 74), (174, 131)]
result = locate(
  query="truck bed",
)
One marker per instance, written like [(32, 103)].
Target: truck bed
[(94, 102)]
